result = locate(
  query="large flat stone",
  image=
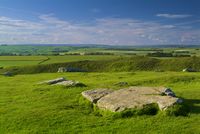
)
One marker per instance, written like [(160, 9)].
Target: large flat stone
[(129, 98), (136, 97)]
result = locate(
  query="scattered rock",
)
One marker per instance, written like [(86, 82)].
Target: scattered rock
[(54, 81), (62, 81), (71, 83), (95, 95), (132, 97)]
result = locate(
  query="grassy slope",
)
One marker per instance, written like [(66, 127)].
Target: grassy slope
[(71, 58), (126, 64), (29, 108), (6, 61)]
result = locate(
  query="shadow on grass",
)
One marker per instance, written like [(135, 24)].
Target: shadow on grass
[(194, 105)]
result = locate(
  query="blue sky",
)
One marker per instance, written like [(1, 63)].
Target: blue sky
[(112, 22)]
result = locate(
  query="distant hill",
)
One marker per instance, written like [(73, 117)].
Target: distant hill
[(55, 49)]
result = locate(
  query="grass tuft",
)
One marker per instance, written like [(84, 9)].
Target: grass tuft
[(178, 110)]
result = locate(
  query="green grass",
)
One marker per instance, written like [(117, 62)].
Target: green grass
[(33, 49), (71, 58), (7, 61), (122, 64), (26, 107)]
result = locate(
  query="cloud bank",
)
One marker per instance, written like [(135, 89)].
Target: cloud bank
[(174, 16), (114, 31)]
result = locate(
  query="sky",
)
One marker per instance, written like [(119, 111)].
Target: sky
[(109, 22)]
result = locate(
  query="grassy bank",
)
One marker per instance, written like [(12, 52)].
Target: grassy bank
[(7, 61), (124, 64)]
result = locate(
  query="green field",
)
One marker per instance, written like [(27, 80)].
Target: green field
[(33, 49), (22, 55), (24, 50), (71, 58), (26, 107), (6, 61)]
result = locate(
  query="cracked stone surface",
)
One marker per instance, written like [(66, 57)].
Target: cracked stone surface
[(95, 95), (132, 97)]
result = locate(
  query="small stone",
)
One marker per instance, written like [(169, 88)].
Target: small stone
[(169, 92)]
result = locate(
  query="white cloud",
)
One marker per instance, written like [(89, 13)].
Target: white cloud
[(174, 16), (116, 31), (5, 21)]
